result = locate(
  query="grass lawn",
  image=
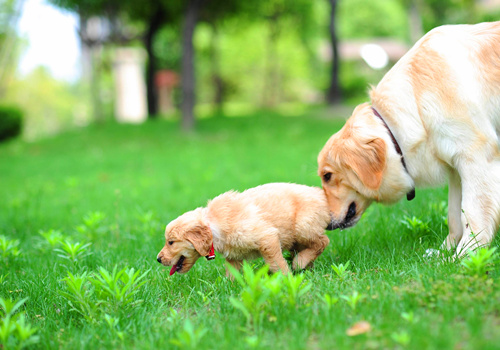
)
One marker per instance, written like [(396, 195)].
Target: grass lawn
[(117, 186)]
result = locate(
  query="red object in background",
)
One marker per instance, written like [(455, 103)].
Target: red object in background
[(165, 82), (166, 78)]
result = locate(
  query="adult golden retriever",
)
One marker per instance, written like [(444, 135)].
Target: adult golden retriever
[(435, 115), (261, 221)]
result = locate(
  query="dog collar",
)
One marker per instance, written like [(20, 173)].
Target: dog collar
[(410, 195), (211, 254)]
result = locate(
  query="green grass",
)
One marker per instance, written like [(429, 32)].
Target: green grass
[(117, 186)]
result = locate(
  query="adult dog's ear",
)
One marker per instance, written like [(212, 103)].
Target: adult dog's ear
[(367, 160), (201, 238)]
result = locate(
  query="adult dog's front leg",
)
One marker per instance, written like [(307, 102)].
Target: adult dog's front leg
[(481, 205), (454, 212)]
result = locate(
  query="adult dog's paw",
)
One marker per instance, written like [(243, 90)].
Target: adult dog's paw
[(431, 253)]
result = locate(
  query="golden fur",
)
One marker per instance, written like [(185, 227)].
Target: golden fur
[(261, 221), (442, 103)]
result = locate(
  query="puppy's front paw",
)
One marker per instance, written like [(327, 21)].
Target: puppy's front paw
[(431, 253)]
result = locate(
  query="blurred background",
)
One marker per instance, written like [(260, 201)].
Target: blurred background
[(67, 63)]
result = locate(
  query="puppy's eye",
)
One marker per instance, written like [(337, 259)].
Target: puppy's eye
[(327, 177), (170, 242)]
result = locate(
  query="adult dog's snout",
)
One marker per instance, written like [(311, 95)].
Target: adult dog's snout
[(332, 225), (158, 259), (348, 221)]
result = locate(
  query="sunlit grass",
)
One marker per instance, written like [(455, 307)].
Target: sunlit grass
[(116, 186)]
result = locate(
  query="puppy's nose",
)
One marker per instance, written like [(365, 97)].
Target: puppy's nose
[(159, 260)]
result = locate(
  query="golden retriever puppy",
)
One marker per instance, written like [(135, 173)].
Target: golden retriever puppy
[(261, 221), (434, 116)]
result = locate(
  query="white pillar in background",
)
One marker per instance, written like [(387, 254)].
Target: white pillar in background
[(130, 87)]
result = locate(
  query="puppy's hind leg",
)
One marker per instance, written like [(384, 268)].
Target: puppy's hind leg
[(306, 257), (270, 249), (234, 263)]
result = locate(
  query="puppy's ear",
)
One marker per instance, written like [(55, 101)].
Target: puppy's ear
[(201, 238), (367, 160)]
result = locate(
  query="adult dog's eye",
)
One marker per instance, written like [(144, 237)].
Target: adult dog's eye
[(327, 177), (170, 242)]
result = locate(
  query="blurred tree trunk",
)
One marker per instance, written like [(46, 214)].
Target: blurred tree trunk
[(471, 10), (415, 21), (271, 79), (334, 94), (188, 83), (155, 24), (218, 83), (90, 60), (95, 84)]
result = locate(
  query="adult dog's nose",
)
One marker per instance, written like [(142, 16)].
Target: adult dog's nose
[(159, 260)]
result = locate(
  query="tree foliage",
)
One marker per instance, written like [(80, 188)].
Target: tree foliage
[(9, 48), (261, 52), (365, 19)]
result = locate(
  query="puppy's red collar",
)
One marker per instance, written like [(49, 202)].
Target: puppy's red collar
[(211, 254), (410, 195)]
